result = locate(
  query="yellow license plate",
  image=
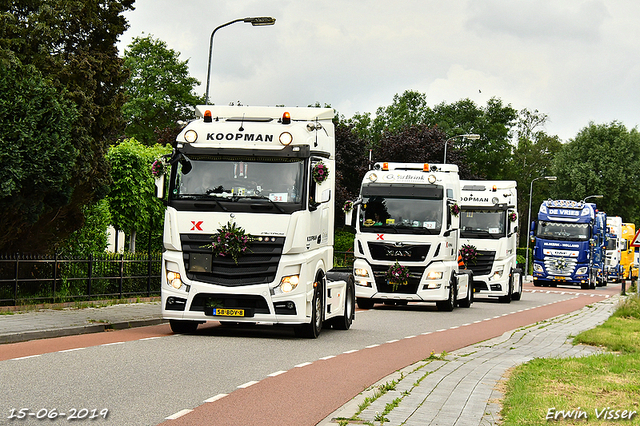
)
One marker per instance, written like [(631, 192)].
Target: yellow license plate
[(228, 312), (561, 278)]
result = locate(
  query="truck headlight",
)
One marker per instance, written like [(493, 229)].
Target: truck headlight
[(434, 275), (361, 272), (582, 271), (289, 283), (174, 279), (496, 275), (537, 267)]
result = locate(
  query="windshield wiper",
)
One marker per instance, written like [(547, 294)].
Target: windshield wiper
[(264, 197)]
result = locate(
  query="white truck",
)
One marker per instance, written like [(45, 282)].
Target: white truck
[(248, 231), (408, 220), (613, 264), (489, 223)]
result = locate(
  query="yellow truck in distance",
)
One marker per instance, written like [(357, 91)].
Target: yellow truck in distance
[(630, 256)]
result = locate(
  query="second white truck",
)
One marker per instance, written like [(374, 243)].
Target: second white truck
[(489, 224), (407, 237)]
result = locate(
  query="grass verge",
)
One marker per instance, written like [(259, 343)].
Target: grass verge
[(600, 389)]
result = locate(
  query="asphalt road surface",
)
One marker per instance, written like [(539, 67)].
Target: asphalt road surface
[(247, 375)]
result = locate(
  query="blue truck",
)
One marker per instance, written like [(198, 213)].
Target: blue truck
[(569, 244)]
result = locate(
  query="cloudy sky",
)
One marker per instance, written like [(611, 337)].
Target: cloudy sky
[(575, 60)]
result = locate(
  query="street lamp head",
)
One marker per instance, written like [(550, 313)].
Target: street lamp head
[(551, 178), (261, 21), (592, 196), (471, 136)]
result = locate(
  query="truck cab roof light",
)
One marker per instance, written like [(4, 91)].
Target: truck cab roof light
[(191, 136), (385, 167), (285, 138), (425, 167), (286, 118), (207, 116), (494, 188)]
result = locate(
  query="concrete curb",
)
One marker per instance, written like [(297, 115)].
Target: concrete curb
[(74, 331)]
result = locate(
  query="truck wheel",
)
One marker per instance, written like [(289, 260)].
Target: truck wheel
[(312, 330), (448, 305), (365, 303), (183, 327), (518, 294), (344, 322), (507, 297), (467, 301)]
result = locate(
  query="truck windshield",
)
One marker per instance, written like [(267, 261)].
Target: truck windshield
[(563, 231), (483, 223), (272, 181), (403, 215)]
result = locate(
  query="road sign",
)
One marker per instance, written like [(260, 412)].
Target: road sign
[(636, 240)]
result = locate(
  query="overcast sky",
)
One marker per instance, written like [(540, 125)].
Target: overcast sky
[(575, 60)]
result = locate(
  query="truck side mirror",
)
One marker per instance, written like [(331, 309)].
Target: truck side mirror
[(348, 218), (160, 186), (325, 197)]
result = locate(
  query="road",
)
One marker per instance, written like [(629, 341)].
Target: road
[(143, 376)]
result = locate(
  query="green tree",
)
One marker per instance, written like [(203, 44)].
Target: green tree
[(532, 158), (160, 90), (132, 201), (72, 43), (602, 159), (92, 238), (487, 156), (36, 152)]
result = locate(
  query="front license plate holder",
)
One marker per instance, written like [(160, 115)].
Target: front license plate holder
[(229, 312)]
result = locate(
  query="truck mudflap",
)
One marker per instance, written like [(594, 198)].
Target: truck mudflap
[(464, 278)]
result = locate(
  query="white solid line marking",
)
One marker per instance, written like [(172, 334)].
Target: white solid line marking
[(277, 373), (72, 350), (246, 385), (215, 398), (151, 338), (304, 364), (111, 344), (178, 414), (26, 357)]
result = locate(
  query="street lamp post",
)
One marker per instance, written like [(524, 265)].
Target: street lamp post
[(256, 22), (470, 136), (526, 264), (592, 196)]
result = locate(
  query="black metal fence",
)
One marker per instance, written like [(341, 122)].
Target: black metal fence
[(26, 279), (30, 279)]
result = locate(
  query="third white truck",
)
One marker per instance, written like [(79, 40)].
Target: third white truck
[(489, 224)]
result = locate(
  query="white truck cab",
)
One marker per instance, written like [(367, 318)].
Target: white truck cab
[(489, 224), (248, 231), (408, 217)]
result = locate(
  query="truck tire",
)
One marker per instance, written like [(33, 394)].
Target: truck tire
[(183, 327), (365, 303), (449, 304), (344, 322), (468, 300), (312, 330), (507, 298), (517, 295)]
